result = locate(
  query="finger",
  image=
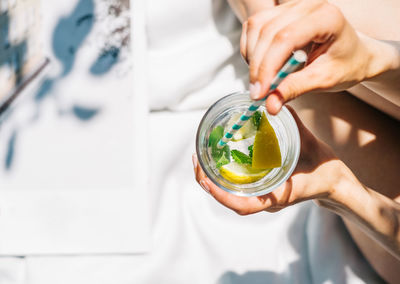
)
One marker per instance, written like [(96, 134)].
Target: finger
[(274, 103), (317, 49), (239, 204), (243, 42), (264, 40), (274, 209), (254, 25), (199, 173), (316, 76), (273, 21), (194, 161), (294, 36)]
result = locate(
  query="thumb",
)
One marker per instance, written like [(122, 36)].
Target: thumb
[(294, 85)]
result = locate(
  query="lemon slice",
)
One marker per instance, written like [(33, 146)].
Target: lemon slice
[(246, 131), (266, 151), (241, 173)]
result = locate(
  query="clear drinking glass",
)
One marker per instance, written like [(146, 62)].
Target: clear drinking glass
[(286, 131)]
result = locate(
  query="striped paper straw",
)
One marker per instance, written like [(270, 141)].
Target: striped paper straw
[(291, 65)]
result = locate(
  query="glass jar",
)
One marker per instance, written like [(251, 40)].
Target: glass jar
[(286, 131)]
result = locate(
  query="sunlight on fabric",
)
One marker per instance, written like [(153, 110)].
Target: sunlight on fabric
[(365, 137), (341, 130)]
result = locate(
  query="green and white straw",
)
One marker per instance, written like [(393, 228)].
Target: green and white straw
[(290, 66)]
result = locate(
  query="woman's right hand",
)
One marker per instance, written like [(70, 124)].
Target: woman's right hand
[(339, 57)]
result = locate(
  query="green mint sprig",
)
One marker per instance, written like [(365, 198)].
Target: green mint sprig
[(222, 161), (250, 148), (256, 119), (221, 156), (240, 157)]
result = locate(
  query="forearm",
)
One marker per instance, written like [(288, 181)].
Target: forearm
[(372, 220), (375, 18), (360, 19), (374, 213), (384, 75)]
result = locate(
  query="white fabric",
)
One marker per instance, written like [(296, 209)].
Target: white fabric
[(194, 239), (197, 240), (193, 54)]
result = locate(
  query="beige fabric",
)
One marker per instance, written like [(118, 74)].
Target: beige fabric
[(388, 103)]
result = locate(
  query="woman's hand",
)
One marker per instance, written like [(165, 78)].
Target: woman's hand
[(321, 176), (316, 176), (338, 58)]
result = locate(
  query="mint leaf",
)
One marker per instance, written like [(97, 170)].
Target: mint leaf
[(215, 135), (250, 151), (240, 157), (256, 118), (222, 161), (217, 154)]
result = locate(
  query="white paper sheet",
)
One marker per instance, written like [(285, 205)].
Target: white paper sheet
[(69, 183)]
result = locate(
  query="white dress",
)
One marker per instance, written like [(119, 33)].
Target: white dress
[(192, 59)]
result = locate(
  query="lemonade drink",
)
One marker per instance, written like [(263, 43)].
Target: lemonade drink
[(260, 156)]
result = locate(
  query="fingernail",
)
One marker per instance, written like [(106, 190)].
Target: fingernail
[(204, 185), (194, 160), (279, 101), (255, 90)]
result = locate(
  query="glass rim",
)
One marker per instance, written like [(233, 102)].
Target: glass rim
[(261, 192)]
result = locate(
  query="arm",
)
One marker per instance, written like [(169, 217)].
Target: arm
[(386, 81), (373, 221), (382, 25), (375, 214), (371, 218), (271, 33), (360, 19)]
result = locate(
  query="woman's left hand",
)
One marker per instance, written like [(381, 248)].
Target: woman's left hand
[(315, 177)]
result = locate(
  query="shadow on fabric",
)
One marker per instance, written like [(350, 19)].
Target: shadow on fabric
[(68, 36)]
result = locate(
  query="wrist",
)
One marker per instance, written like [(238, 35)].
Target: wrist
[(376, 214), (343, 189), (347, 187), (382, 57)]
